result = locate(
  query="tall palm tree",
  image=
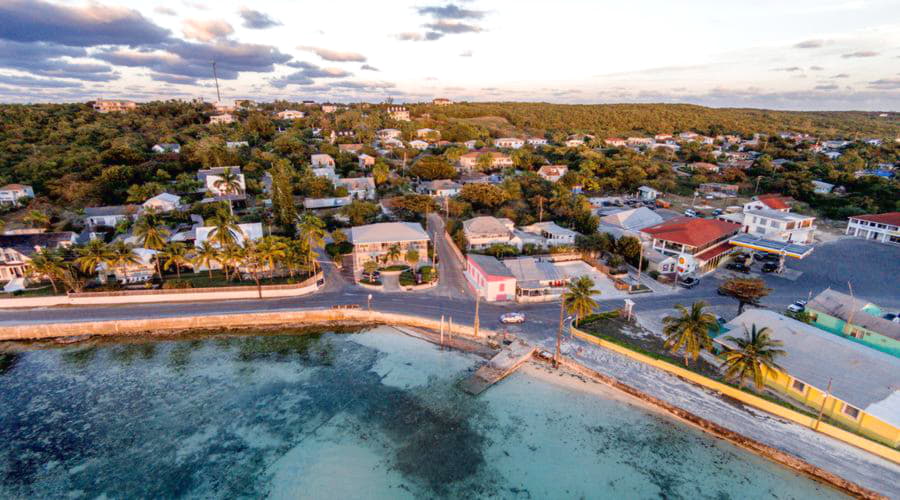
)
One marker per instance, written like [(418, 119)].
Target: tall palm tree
[(36, 218), (174, 254), (689, 330), (47, 263), (754, 355), (230, 258), (311, 230), (92, 255), (122, 255), (393, 253), (228, 182), (578, 298), (204, 256), (412, 257), (225, 230), (253, 258), (152, 233), (295, 256), (270, 250)]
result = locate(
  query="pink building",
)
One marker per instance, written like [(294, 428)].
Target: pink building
[(490, 278)]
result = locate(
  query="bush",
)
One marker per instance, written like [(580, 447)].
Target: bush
[(603, 316), (177, 284), (654, 274)]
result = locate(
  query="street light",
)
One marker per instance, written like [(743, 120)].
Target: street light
[(562, 321), (370, 301)]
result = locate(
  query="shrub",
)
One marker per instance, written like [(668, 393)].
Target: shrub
[(177, 284), (654, 274)]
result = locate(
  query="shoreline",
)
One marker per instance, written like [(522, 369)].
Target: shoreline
[(572, 376)]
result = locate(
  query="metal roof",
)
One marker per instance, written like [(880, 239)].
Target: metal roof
[(845, 307), (490, 265), (530, 271), (387, 232), (794, 250)]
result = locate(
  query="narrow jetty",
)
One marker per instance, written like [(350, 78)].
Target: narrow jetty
[(506, 361)]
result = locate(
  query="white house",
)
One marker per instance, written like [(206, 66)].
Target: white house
[(246, 232), (441, 188), (290, 114), (321, 160), (360, 188), (482, 232), (326, 172), (615, 142), (16, 251), (211, 178), (237, 144), (493, 281), (470, 144), (498, 160), (509, 142), (536, 141), (388, 133), (418, 144), (109, 216), (366, 161), (223, 119), (374, 241), (552, 234), (780, 226), (647, 193), (767, 202), (553, 173), (884, 228), (166, 147), (163, 202), (428, 133), (10, 194), (313, 203), (822, 187), (398, 113), (134, 272)]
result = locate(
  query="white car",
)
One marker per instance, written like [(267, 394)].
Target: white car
[(795, 308), (512, 318)]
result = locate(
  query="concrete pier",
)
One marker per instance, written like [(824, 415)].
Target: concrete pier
[(505, 362)]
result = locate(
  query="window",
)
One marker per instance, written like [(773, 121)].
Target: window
[(502, 287), (798, 386), (851, 411)]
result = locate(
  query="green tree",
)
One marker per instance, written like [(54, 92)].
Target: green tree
[(689, 330), (36, 218), (92, 255), (360, 212), (433, 167), (483, 195), (225, 231), (271, 251), (412, 257), (747, 291), (753, 356), (174, 254), (380, 172), (228, 182), (393, 253), (283, 193), (46, 263), (205, 256), (151, 233), (578, 297), (311, 231), (122, 255)]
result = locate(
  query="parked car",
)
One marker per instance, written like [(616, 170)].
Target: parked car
[(717, 212), (690, 213), (737, 266), (688, 282), (769, 267), (721, 320), (895, 317), (765, 257), (796, 308), (513, 317)]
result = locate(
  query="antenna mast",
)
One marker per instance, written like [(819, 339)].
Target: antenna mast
[(216, 77)]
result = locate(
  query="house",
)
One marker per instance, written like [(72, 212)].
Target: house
[(718, 188), (140, 271), (821, 187), (498, 160), (350, 148), (850, 383), (223, 119), (629, 222), (470, 144), (883, 173), (441, 188), (398, 113), (484, 231), (321, 160), (326, 172), (702, 166), (252, 231), (637, 142), (490, 279), (537, 280), (374, 241), (552, 234), (245, 103), (366, 161), (222, 107), (290, 114), (858, 320), (314, 203), (388, 133), (536, 141), (552, 173), (428, 134), (440, 101), (575, 140), (113, 105), (211, 180), (695, 245), (662, 137), (16, 250), (647, 193), (12, 194), (163, 202), (166, 147), (509, 142), (360, 188), (780, 226), (768, 202), (418, 144), (884, 228), (109, 216), (237, 144), (688, 136), (614, 142), (329, 108)]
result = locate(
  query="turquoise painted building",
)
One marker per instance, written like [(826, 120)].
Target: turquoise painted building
[(855, 320)]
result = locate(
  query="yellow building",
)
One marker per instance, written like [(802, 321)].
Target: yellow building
[(850, 383)]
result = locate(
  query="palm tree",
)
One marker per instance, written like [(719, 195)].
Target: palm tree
[(228, 182), (204, 256), (295, 256), (225, 231), (36, 218), (253, 259), (270, 250), (412, 257), (152, 233), (311, 230), (689, 330), (92, 255), (173, 254), (393, 253), (122, 254), (47, 263), (578, 298), (230, 257), (754, 355)]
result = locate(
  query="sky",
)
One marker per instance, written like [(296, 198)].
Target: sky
[(797, 55)]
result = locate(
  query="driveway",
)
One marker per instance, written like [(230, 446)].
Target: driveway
[(453, 282)]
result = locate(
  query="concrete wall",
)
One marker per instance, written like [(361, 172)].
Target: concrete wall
[(175, 295)]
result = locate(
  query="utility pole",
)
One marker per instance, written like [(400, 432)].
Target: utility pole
[(640, 262), (852, 310), (216, 77), (540, 208), (562, 308), (758, 178), (822, 408), (477, 322)]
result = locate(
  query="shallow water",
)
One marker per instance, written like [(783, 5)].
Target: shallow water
[(368, 415)]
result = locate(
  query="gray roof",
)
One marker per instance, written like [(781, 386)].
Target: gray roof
[(530, 271), (775, 214), (387, 232), (634, 219), (485, 225), (490, 265), (843, 306), (27, 244), (859, 375), (111, 210)]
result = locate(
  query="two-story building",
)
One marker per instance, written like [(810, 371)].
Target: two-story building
[(484, 231), (366, 161), (109, 216), (694, 245), (290, 114), (440, 188), (398, 113), (223, 119), (321, 160), (16, 251), (780, 226), (11, 194), (359, 188), (490, 279), (469, 161), (374, 241), (883, 228), (509, 142), (536, 141), (388, 133), (552, 173)]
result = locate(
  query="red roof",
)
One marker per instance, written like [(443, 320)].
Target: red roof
[(714, 251), (890, 218), (692, 231), (774, 201)]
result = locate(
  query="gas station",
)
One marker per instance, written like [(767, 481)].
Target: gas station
[(780, 248)]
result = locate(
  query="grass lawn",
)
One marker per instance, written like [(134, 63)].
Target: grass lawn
[(395, 267), (42, 291), (202, 280)]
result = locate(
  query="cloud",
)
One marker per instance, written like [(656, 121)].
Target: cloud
[(450, 11), (176, 79), (827, 86), (334, 55), (206, 31), (790, 69), (860, 53), (45, 59), (32, 82), (368, 86), (452, 27), (367, 67), (816, 68), (809, 44), (94, 24), (841, 75), (307, 73), (410, 36), (256, 20), (885, 84), (164, 11), (466, 53)]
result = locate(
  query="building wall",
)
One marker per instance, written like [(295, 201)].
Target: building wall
[(492, 290), (856, 333), (870, 231), (371, 251)]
